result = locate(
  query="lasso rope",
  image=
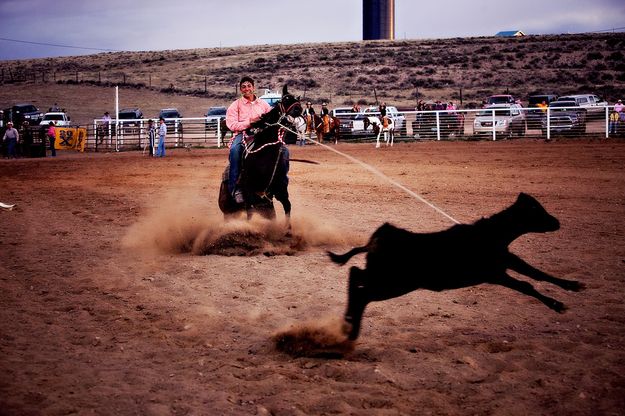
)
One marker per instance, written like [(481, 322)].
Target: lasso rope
[(380, 174)]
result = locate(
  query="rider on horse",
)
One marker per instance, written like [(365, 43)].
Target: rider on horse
[(325, 116), (309, 116), (239, 117)]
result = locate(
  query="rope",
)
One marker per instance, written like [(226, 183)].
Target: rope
[(381, 175)]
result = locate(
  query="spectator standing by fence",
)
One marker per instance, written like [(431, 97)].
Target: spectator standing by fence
[(614, 120), (51, 133), (162, 133), (151, 137), (619, 107), (11, 136)]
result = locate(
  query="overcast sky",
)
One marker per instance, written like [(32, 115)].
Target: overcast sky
[(122, 25)]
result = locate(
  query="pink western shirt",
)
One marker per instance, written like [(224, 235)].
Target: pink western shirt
[(242, 110)]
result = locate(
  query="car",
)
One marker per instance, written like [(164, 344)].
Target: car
[(535, 114), (169, 113), (172, 118), (346, 115), (132, 114), (565, 117), (129, 120), (214, 116), (343, 112), (591, 102), (19, 113), (508, 120), (60, 119), (501, 99), (271, 97)]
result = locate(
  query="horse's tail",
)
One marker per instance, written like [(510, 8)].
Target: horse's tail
[(343, 258)]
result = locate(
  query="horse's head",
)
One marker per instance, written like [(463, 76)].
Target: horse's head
[(285, 110), (289, 104)]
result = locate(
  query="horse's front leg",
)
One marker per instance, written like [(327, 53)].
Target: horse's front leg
[(283, 197), (377, 144)]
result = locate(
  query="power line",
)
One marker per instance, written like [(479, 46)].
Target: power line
[(609, 30), (59, 46)]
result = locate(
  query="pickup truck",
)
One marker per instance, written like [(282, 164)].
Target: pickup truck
[(19, 113), (508, 120), (59, 119), (591, 102), (565, 117)]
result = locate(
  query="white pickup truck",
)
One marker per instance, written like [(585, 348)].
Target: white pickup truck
[(399, 120), (590, 102), (59, 119)]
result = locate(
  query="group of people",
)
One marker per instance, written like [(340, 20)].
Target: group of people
[(153, 132), (16, 143), (309, 116), (435, 106)]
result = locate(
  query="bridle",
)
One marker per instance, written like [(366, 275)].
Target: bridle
[(284, 115)]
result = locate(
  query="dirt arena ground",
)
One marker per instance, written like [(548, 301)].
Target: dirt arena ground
[(112, 306)]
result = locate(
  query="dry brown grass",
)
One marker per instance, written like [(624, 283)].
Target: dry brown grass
[(393, 71)]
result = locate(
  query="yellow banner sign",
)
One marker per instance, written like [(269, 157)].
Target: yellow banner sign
[(70, 138)]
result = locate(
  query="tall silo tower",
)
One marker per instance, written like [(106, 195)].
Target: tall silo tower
[(378, 19)]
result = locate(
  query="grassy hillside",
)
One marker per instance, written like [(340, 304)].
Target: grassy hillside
[(397, 72)]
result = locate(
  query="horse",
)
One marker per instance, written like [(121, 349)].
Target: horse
[(379, 128), (262, 174), (334, 128), (299, 123), (223, 129)]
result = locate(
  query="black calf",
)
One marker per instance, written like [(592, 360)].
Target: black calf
[(399, 261)]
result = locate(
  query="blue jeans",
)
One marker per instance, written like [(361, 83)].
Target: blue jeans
[(11, 145), (160, 150), (234, 157)]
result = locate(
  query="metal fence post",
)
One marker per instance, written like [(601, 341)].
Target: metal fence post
[(607, 121), (493, 125), (548, 123), (438, 126)]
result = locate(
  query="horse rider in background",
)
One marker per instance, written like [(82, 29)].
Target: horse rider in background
[(325, 117), (309, 116), (383, 117)]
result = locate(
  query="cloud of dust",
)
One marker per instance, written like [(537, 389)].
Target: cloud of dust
[(183, 222), (325, 337)]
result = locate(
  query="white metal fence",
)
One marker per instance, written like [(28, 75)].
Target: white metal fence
[(486, 123)]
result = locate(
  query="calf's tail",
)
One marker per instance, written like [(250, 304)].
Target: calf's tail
[(343, 258)]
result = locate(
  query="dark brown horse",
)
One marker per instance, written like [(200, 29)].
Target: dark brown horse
[(333, 128), (265, 163)]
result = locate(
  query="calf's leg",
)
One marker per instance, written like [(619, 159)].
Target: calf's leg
[(521, 266), (357, 300), (528, 289)]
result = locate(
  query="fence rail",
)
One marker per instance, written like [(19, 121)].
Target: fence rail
[(473, 124)]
